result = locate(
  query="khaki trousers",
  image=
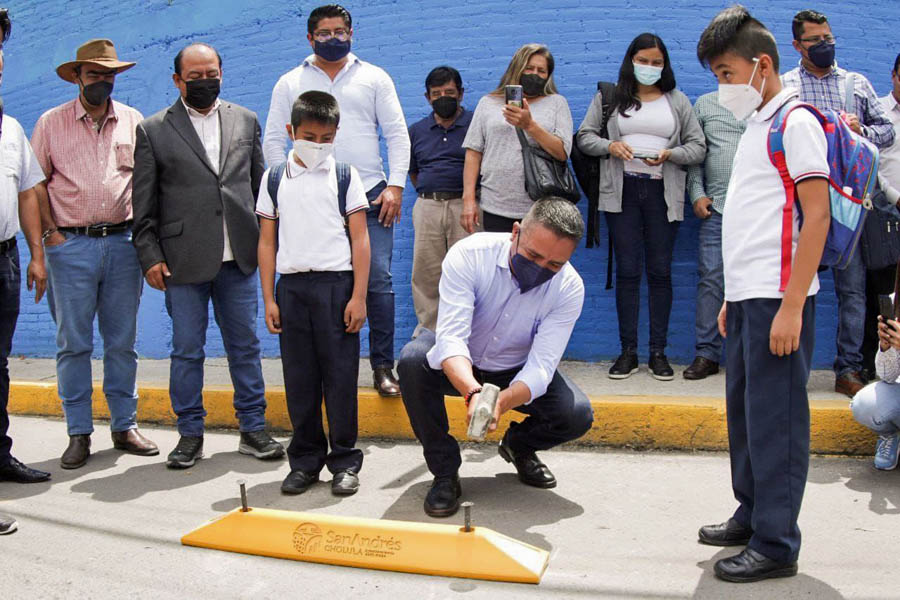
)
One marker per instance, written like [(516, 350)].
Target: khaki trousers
[(437, 227)]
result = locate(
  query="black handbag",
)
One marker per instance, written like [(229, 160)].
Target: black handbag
[(544, 175), (880, 240)]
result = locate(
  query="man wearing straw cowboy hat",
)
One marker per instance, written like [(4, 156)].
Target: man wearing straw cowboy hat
[(86, 149)]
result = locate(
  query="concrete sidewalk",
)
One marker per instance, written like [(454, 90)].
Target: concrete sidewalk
[(639, 412), (620, 524)]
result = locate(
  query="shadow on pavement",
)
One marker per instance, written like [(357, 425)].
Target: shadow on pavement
[(861, 476), (99, 461), (502, 503), (155, 477), (800, 586)]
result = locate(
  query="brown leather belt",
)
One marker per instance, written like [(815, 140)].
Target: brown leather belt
[(443, 196)]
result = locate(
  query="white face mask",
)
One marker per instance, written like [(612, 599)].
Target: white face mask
[(312, 154), (741, 99)]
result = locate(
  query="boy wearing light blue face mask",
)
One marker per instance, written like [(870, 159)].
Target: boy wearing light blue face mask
[(770, 332), (319, 304)]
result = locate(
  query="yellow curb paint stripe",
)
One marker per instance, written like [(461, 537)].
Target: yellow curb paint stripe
[(664, 422)]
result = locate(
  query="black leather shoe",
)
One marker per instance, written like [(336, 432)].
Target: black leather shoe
[(345, 483), (385, 382), (187, 452), (659, 367), (701, 368), (7, 524), (625, 366), (443, 497), (729, 533), (297, 482), (750, 566), (133, 442), (260, 444), (16, 471), (531, 470), (77, 453)]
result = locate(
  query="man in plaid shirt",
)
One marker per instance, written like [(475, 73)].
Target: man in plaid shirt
[(824, 85)]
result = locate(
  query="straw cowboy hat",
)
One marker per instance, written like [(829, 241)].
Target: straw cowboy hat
[(94, 52)]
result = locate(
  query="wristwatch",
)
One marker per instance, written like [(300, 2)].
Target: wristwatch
[(47, 233)]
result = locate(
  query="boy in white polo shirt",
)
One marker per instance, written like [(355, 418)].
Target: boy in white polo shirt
[(770, 332), (319, 304)]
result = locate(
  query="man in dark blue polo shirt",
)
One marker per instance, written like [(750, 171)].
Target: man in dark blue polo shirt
[(436, 170)]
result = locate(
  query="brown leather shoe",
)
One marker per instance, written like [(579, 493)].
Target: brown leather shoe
[(701, 368), (133, 442), (385, 382), (76, 455), (849, 384)]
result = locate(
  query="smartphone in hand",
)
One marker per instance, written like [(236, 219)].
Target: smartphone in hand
[(886, 307), (514, 95)]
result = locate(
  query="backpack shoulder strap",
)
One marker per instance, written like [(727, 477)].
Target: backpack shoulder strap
[(275, 174), (775, 148), (342, 173), (849, 93)]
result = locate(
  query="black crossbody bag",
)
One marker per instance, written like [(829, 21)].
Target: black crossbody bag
[(544, 175)]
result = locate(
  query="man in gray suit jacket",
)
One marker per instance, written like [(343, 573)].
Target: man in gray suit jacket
[(197, 169)]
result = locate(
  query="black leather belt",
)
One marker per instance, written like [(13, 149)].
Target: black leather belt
[(441, 195), (7, 245), (99, 230)]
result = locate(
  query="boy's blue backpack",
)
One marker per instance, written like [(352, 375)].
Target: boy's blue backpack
[(852, 177)]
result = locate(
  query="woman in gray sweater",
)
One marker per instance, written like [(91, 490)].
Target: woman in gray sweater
[(652, 136)]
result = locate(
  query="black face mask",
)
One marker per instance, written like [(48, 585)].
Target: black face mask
[(532, 85), (822, 54), (445, 106), (201, 93), (97, 93)]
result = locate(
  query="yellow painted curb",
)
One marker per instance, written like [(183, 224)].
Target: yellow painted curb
[(665, 422)]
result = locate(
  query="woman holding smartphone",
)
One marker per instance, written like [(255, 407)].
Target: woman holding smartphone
[(492, 147), (877, 406), (653, 134)]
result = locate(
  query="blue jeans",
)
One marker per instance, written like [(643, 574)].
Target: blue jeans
[(877, 406), (642, 234), (235, 305), (10, 282), (710, 288), (850, 288), (95, 277), (380, 298)]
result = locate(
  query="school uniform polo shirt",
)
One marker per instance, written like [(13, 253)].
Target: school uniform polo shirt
[(311, 234), (751, 222)]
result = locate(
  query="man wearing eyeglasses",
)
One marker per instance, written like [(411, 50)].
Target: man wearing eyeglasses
[(826, 86), (368, 100), (86, 149)]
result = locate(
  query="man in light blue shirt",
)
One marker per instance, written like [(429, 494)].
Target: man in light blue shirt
[(508, 304)]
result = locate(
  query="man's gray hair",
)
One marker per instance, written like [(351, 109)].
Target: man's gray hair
[(558, 215)]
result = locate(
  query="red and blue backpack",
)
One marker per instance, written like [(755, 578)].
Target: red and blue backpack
[(852, 177)]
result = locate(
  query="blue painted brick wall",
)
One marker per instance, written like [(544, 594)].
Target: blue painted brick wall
[(261, 39)]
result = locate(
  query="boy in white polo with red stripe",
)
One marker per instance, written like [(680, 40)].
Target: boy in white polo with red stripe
[(770, 332), (314, 234)]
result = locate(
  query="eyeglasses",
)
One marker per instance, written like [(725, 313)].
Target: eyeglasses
[(323, 35), (828, 39)]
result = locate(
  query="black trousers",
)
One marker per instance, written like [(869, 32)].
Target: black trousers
[(319, 358), (879, 281), (10, 282), (496, 223), (768, 425), (562, 414)]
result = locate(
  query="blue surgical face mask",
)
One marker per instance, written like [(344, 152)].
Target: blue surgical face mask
[(647, 75), (333, 50), (528, 273)]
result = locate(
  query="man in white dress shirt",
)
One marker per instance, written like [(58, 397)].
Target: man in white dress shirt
[(368, 100), (508, 304)]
